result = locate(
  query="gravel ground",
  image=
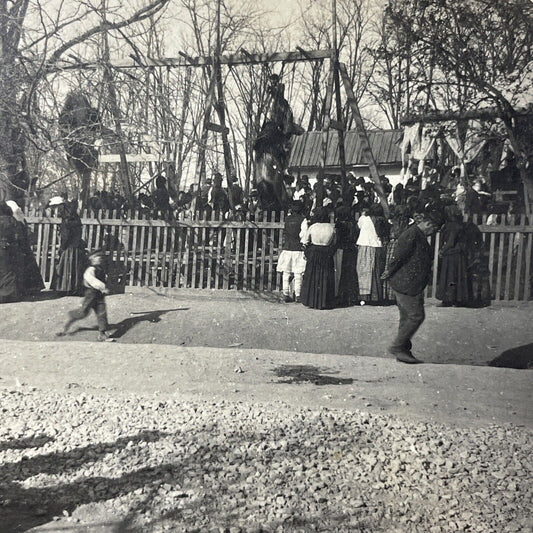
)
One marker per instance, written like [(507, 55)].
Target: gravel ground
[(166, 464)]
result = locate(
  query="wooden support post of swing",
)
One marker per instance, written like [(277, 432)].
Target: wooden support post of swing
[(363, 138), (218, 128)]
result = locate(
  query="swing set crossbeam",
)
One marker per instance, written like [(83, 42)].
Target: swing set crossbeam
[(241, 58)]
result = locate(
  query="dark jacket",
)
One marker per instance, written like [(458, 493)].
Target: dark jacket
[(291, 233), (410, 267)]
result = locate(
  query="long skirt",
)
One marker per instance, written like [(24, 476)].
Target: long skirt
[(68, 276), (318, 289), (347, 288), (370, 266), (9, 290), (453, 284), (31, 279)]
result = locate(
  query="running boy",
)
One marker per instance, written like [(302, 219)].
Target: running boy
[(94, 279)]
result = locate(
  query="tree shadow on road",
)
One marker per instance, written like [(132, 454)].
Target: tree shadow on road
[(520, 357), (25, 508)]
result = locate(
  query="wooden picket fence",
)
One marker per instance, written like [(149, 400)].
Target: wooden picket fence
[(217, 253)]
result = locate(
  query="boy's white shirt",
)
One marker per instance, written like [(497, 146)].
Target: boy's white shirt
[(91, 281)]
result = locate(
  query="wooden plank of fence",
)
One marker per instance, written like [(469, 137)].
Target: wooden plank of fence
[(210, 257), (141, 254), (163, 258), (218, 258), (245, 263), (263, 255), (280, 247), (39, 247), (53, 249), (176, 252), (185, 257), (203, 249), (194, 246), (157, 257), (527, 279), (501, 244), (254, 255), (491, 257), (227, 259), (271, 252), (45, 245), (519, 254), (509, 265), (236, 272), (133, 255)]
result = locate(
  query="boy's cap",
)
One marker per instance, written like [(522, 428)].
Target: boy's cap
[(96, 254)]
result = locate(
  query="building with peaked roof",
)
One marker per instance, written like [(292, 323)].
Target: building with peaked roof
[(306, 153)]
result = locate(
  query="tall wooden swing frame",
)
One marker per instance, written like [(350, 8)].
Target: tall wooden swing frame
[(216, 101), (336, 72)]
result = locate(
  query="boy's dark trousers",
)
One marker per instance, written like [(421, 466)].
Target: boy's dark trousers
[(92, 299)]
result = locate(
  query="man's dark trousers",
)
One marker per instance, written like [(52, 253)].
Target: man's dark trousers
[(411, 317)]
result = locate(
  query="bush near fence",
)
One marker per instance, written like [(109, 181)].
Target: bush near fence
[(161, 250)]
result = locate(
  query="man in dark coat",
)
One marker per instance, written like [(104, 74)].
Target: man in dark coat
[(408, 273)]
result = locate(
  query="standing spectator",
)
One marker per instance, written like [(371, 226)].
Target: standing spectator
[(237, 194), (160, 196), (28, 276), (346, 286), (68, 276), (478, 272), (473, 199), (370, 258), (318, 289), (291, 261), (452, 287), (9, 255), (409, 272), (217, 197)]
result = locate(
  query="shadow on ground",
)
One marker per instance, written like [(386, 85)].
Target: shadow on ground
[(122, 327), (520, 357), (309, 374)]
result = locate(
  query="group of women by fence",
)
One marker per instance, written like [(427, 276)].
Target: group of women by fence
[(346, 259)]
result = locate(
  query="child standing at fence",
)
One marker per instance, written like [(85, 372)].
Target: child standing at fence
[(94, 280), (291, 261)]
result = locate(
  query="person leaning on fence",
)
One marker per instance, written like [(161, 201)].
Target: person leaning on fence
[(409, 271), (291, 261), (94, 280)]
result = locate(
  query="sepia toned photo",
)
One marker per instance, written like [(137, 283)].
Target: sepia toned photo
[(266, 266)]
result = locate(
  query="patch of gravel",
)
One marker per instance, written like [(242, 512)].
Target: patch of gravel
[(174, 465)]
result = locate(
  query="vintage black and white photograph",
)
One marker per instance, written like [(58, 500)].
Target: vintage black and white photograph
[(266, 266)]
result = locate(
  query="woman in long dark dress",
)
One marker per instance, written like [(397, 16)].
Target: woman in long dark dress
[(29, 277), (9, 255), (68, 276), (318, 289), (452, 287), (346, 257)]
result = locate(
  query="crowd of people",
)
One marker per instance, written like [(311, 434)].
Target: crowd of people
[(349, 243)]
